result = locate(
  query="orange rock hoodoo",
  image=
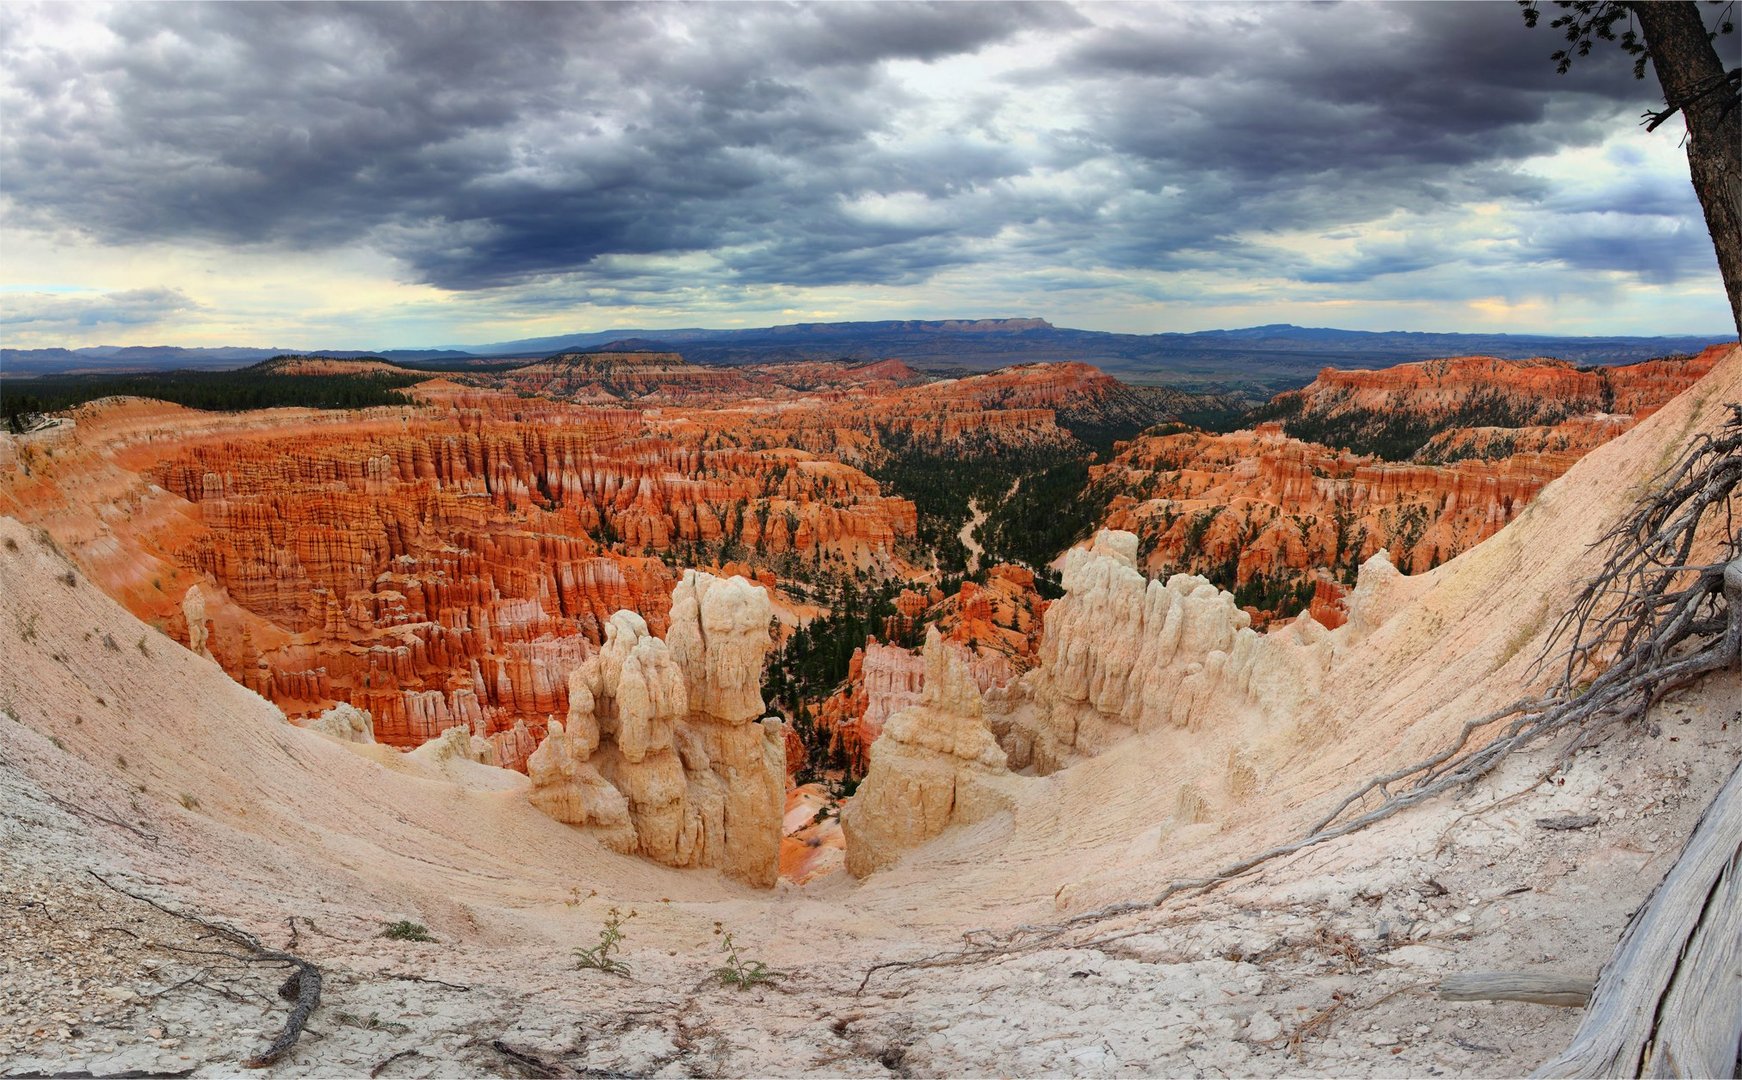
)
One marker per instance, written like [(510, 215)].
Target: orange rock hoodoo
[(449, 563), (455, 571)]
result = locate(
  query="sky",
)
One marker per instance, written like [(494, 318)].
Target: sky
[(386, 176)]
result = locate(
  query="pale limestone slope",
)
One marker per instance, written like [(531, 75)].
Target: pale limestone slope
[(1448, 645)]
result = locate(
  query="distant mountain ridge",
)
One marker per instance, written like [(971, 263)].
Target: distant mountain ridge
[(128, 358), (1255, 362)]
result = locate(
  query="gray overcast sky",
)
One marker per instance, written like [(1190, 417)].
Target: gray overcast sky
[(383, 175)]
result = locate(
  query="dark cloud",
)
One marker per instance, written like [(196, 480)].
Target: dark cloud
[(1659, 251), (539, 146)]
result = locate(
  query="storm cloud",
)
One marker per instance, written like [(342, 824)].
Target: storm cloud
[(621, 153)]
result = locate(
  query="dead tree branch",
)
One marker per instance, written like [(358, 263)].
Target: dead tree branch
[(302, 987)]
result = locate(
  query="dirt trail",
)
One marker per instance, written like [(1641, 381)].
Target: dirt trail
[(975, 551), (978, 518)]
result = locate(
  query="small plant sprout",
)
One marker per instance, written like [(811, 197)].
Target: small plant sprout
[(737, 971), (599, 957), (406, 930)]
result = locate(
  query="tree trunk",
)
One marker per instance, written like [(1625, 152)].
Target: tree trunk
[(1669, 1001), (1692, 77)]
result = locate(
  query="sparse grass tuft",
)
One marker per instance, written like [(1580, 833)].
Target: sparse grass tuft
[(27, 626), (406, 930), (188, 802), (143, 651), (599, 957), (69, 579)]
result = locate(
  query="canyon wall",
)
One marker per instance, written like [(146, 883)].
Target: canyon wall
[(448, 564), (440, 567)]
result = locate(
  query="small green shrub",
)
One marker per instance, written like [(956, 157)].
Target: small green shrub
[(406, 930), (599, 957), (739, 972)]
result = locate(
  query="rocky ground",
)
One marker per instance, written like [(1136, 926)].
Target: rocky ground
[(1321, 964)]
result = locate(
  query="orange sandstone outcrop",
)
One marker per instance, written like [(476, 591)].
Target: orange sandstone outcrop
[(449, 563), (998, 624), (1526, 392), (435, 567), (1258, 506), (881, 680), (1284, 522)]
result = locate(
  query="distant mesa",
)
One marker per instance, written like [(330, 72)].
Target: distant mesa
[(329, 365)]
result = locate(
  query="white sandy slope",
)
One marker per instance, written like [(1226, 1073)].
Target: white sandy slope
[(121, 752)]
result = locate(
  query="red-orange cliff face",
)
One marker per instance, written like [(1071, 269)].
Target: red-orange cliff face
[(624, 376), (848, 411), (1391, 411), (667, 378), (1281, 520), (436, 566), (458, 568)]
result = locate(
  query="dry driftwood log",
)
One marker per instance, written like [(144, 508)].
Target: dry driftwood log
[(1539, 987), (1669, 1002)]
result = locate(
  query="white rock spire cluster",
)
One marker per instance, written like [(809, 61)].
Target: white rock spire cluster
[(935, 763), (1122, 656), (661, 752)]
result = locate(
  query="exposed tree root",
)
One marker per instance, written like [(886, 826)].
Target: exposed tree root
[(1659, 622), (302, 987), (381, 1065)]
